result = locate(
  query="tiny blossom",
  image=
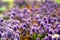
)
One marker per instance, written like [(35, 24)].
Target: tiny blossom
[(37, 38)]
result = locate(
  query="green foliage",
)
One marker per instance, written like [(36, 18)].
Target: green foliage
[(41, 36), (5, 18), (57, 1), (34, 36)]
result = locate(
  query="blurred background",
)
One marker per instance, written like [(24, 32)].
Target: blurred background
[(7, 4)]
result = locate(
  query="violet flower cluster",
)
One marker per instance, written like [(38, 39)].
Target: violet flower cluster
[(41, 23)]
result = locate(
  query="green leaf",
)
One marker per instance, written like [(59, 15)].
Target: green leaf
[(2, 9), (57, 1), (5, 18), (41, 35), (34, 36)]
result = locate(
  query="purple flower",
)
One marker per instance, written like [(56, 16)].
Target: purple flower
[(37, 38), (46, 38), (54, 38)]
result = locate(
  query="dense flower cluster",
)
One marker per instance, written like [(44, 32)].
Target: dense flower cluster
[(36, 23)]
